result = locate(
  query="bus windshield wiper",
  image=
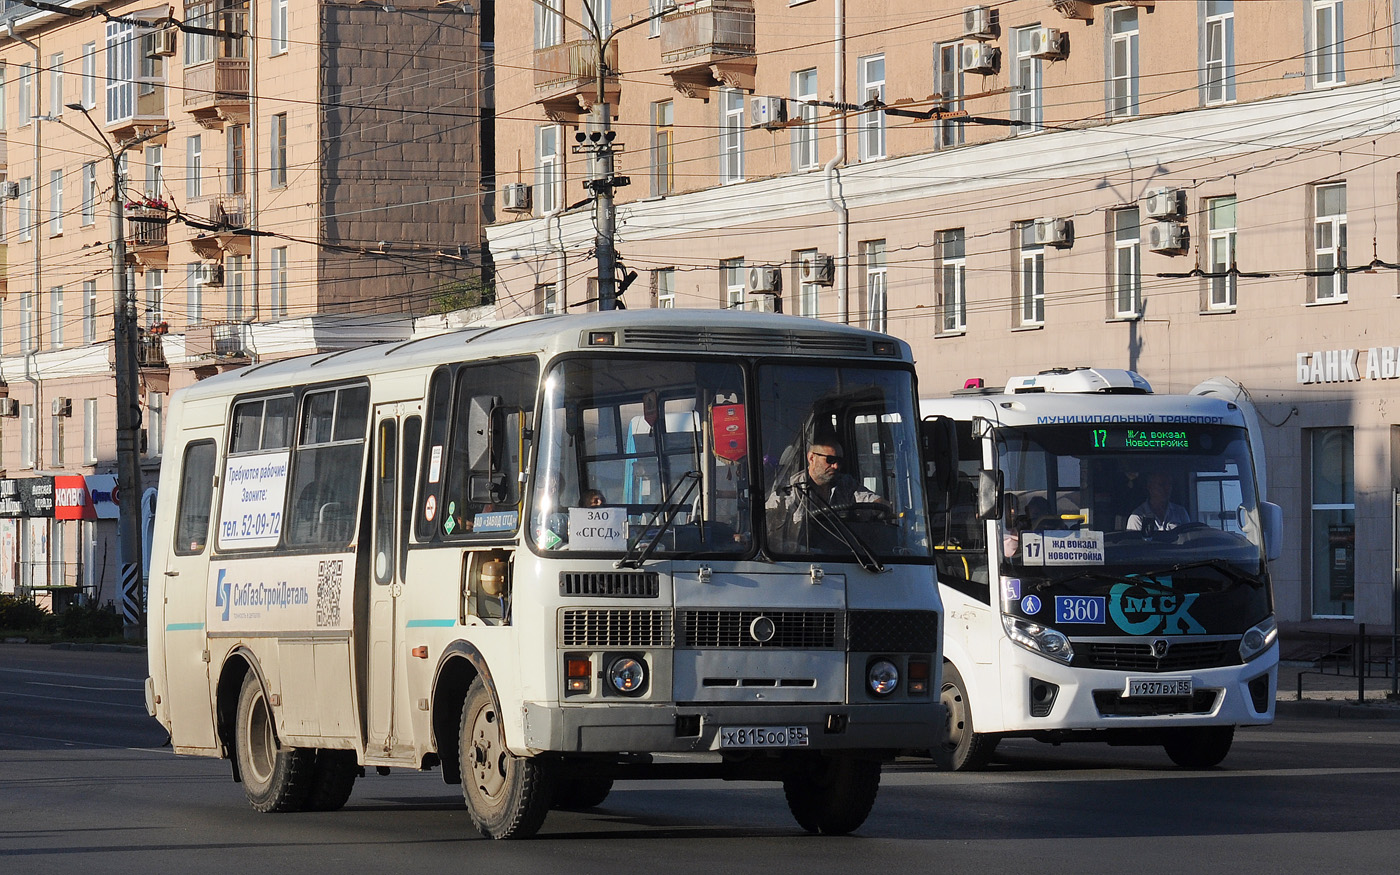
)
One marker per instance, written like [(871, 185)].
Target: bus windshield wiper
[(1235, 575), (672, 507), (831, 521)]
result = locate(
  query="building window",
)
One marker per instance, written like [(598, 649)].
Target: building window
[(89, 194), (233, 287), (26, 436), (663, 146), (155, 171), (1221, 231), (804, 133), (1330, 242), (25, 95), (89, 95), (1127, 264), (872, 123), (548, 23), (1027, 99), (236, 138), (547, 169), (155, 423), (199, 47), (55, 202), (194, 161), (28, 323), (877, 306), (808, 301), (1326, 54), (121, 70), (546, 298), (654, 26), (948, 85), (89, 312), (732, 276), (155, 294), (1333, 522), (1219, 51), (90, 431), (56, 448), (731, 136), (665, 288), (278, 291), (26, 209), (3, 104), (194, 293), (952, 281), (56, 317), (597, 14), (278, 163), (279, 27), (56, 84), (1123, 61), (1030, 276)]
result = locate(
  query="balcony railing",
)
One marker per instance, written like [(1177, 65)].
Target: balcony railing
[(145, 226), (566, 78), (216, 83), (150, 353), (709, 42)]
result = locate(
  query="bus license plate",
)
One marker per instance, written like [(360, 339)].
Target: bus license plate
[(763, 736), (1150, 687)]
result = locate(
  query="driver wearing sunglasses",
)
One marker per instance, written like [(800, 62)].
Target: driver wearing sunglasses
[(825, 481)]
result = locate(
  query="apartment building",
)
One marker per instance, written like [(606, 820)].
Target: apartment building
[(292, 176), (1188, 189)]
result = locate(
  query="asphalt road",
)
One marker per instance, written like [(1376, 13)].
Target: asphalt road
[(86, 786)]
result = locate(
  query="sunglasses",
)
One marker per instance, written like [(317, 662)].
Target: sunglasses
[(830, 459)]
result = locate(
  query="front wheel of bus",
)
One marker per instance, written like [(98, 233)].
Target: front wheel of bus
[(962, 749), (507, 796), (832, 795), (274, 778), (1198, 747)]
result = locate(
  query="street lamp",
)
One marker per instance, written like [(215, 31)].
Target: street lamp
[(128, 403)]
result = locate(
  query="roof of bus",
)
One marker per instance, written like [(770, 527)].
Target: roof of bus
[(653, 330), (1051, 408)]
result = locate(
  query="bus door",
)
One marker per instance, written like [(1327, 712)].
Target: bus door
[(396, 436)]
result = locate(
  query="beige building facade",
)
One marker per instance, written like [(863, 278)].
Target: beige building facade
[(293, 177), (1188, 189)]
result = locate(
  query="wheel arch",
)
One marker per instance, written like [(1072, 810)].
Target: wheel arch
[(461, 663), (238, 664)]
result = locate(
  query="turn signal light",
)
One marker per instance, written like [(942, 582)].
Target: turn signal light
[(578, 674), (918, 677)]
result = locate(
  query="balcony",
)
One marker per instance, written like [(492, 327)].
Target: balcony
[(566, 79), (150, 352), (146, 100), (709, 43), (228, 213), (226, 341), (216, 91), (145, 234)]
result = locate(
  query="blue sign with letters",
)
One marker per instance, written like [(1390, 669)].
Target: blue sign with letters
[(1079, 609)]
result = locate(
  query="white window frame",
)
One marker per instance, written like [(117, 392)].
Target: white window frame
[(1221, 251), (1329, 240), (808, 298), (89, 91), (155, 171), (734, 280), (663, 147), (26, 209), (56, 442), (89, 214), (666, 288), (194, 166), (1027, 85), (1327, 44), (1218, 52), (28, 327), (194, 293), (278, 284), (199, 47), (4, 92), (1127, 263), (56, 84), (805, 148), (548, 169), (871, 141), (952, 281), (234, 287), (1123, 72), (877, 279), (89, 312), (90, 431), (948, 81), (55, 203), (56, 317), (155, 423), (549, 23), (655, 7), (1030, 277), (121, 71), (280, 28), (277, 163), (25, 95), (601, 15), (27, 436), (155, 296), (731, 136)]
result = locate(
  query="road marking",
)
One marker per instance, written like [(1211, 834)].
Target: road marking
[(65, 674), (1101, 775), (80, 701), (136, 686)]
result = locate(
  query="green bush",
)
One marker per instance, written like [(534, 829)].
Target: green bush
[(89, 621), (22, 615)]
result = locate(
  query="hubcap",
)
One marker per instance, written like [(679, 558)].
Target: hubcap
[(490, 760)]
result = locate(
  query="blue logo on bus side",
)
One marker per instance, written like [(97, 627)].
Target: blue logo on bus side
[(222, 596)]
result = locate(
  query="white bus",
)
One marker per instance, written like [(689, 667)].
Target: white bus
[(535, 556), (1102, 564)]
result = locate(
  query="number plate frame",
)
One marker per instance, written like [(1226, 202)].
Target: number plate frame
[(1156, 688), (736, 737)]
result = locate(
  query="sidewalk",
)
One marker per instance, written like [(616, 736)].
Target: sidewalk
[(1331, 695)]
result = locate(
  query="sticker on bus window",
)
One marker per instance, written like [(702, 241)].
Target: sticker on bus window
[(251, 512), (1073, 548), (496, 521), (435, 465), (597, 528)]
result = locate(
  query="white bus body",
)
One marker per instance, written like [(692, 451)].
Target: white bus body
[(394, 557), (1074, 615)]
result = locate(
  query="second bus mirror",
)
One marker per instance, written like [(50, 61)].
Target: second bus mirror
[(988, 495), (938, 437)]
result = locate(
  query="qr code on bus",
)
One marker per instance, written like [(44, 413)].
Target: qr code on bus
[(328, 577)]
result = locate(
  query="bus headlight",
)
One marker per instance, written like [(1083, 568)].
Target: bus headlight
[(882, 676), (1258, 639), (1041, 639), (627, 675)]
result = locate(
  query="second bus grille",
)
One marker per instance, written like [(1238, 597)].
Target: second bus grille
[(1182, 656), (615, 628), (797, 630)]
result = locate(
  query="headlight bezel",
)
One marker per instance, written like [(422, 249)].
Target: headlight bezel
[(1042, 640), (886, 682), (1257, 640)]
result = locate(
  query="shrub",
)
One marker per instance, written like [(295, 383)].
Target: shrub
[(22, 615)]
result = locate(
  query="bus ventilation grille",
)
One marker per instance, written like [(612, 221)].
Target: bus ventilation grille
[(903, 631), (1182, 656), (745, 341), (620, 628), (793, 630), (610, 584), (1112, 703)]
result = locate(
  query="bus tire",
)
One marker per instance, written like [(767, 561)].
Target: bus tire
[(507, 796), (832, 795), (275, 778), (1198, 747), (576, 794), (961, 749), (332, 780)]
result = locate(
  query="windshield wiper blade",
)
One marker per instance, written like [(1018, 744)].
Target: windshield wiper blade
[(832, 522), (670, 509), (1223, 566)]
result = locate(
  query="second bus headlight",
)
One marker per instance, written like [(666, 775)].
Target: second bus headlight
[(1041, 639), (628, 675)]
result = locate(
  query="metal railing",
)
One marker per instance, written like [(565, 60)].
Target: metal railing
[(1359, 655)]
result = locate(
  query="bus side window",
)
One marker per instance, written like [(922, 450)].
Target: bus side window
[(962, 557), (196, 498), (326, 466)]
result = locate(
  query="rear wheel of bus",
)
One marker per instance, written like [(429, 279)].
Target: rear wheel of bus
[(507, 796), (275, 778), (832, 795), (962, 748)]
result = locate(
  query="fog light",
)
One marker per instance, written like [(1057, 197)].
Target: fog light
[(627, 675), (883, 677)]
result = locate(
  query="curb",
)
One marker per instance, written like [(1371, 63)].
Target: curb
[(1369, 710), (99, 648)]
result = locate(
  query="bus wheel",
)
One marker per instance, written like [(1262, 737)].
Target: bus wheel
[(274, 778), (832, 795), (961, 749), (576, 794), (332, 778), (1198, 747), (507, 796)]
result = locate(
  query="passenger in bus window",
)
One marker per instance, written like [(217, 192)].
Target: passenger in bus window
[(823, 482), (591, 498), (1158, 513)]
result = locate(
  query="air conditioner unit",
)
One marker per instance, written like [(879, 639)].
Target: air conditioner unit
[(764, 279), (515, 198), (162, 43), (63, 407), (817, 269), (763, 302), (980, 58), (12, 190), (1164, 203), (9, 407), (1054, 232), (1167, 236), (767, 112), (1047, 42), (978, 23)]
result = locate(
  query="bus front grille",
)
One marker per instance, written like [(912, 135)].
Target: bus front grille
[(1181, 656), (615, 628), (610, 584), (792, 630)]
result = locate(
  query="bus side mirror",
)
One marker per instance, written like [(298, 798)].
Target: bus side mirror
[(938, 437), (989, 489), (1271, 516), (480, 434)]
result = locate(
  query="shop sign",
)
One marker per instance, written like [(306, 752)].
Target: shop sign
[(1348, 365), (26, 497), (71, 500), (102, 495)]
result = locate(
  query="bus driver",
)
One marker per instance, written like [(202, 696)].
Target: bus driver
[(821, 484)]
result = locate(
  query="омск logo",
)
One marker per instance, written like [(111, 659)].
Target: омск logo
[(1143, 607)]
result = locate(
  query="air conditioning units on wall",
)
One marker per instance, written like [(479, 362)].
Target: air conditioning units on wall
[(818, 269), (12, 190), (1168, 236), (980, 58), (1054, 232), (978, 22), (162, 43), (9, 407), (62, 407), (1164, 203), (1048, 43), (515, 198), (767, 112), (764, 279)]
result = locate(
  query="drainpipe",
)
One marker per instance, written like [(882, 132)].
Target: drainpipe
[(834, 198), (30, 370)]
